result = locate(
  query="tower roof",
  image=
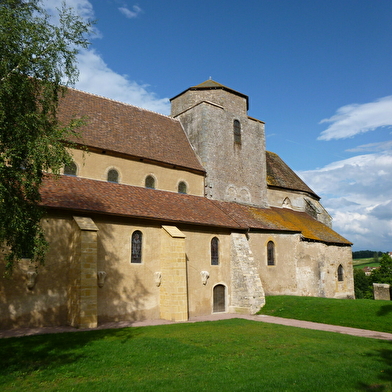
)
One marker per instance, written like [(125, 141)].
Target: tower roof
[(279, 175), (212, 85)]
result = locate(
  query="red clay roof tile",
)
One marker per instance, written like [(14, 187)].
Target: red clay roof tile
[(91, 196), (126, 129), (82, 194), (281, 176)]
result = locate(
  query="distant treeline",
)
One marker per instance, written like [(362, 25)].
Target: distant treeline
[(366, 254)]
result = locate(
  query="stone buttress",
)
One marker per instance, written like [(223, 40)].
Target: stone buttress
[(247, 293)]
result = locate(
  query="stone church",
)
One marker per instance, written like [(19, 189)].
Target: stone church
[(172, 217)]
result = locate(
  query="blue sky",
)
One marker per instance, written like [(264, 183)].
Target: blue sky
[(318, 72)]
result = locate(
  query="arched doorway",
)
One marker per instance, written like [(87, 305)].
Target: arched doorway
[(219, 295)]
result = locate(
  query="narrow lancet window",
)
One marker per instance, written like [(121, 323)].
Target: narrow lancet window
[(136, 247), (237, 131), (270, 253), (215, 251), (340, 273)]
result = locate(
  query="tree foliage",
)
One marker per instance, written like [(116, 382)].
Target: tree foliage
[(37, 59), (366, 254), (384, 273), (363, 284)]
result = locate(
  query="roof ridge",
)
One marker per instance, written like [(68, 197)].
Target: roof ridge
[(121, 102)]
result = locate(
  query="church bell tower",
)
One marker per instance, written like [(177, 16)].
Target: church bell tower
[(230, 144)]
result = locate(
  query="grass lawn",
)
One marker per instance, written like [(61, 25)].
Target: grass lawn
[(227, 355), (362, 263), (358, 313)]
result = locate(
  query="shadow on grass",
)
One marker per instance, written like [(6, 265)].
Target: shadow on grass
[(385, 377), (384, 310), (22, 356)]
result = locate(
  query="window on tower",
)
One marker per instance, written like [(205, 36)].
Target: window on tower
[(237, 131)]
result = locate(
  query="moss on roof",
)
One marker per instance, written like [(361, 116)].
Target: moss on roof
[(92, 196)]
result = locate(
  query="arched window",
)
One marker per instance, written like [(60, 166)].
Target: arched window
[(150, 182), (182, 187), (219, 298), (70, 169), (215, 251), (136, 247), (340, 273), (270, 253), (287, 203), (237, 131), (113, 175)]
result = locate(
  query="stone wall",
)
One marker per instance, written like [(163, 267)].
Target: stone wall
[(280, 278), (303, 268), (247, 294), (235, 171), (278, 198), (132, 172), (202, 276), (323, 261), (231, 102), (382, 291), (44, 300)]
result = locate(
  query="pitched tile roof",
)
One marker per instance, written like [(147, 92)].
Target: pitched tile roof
[(281, 176), (80, 194), (283, 219), (91, 196), (126, 129)]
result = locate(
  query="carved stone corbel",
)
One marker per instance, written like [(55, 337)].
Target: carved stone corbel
[(157, 278), (31, 277), (101, 275), (204, 277)]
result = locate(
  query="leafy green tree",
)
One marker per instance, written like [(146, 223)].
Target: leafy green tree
[(384, 273), (362, 285), (37, 59)]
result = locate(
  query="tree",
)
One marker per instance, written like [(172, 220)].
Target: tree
[(362, 284), (37, 63), (384, 273)]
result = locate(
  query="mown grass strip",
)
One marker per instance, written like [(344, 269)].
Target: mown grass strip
[(229, 355), (358, 313)]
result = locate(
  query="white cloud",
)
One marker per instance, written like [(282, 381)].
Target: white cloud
[(353, 119), (131, 14), (97, 78), (357, 192), (380, 146), (81, 7)]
